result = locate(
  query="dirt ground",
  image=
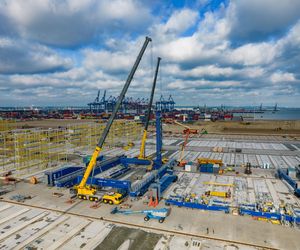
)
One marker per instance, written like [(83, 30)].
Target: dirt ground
[(245, 127), (138, 239), (224, 127)]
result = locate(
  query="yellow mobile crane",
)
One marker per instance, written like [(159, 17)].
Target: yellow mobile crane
[(85, 191), (144, 138)]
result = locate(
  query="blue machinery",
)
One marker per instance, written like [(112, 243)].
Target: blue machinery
[(283, 174), (250, 210), (158, 214), (72, 175), (158, 160), (177, 202)]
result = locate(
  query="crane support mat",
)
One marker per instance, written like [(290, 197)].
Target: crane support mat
[(101, 182), (197, 205), (67, 176), (267, 215)]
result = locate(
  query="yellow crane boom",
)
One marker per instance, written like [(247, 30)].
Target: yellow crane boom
[(144, 138), (83, 190)]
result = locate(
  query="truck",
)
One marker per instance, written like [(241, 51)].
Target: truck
[(113, 198)]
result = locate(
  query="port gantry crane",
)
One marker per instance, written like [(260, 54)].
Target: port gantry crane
[(144, 138), (85, 191)]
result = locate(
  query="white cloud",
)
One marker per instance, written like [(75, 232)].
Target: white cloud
[(187, 84), (279, 77), (19, 57), (253, 54), (257, 20), (210, 70), (180, 21), (106, 60), (73, 22)]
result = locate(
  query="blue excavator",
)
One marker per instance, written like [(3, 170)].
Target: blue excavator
[(158, 214)]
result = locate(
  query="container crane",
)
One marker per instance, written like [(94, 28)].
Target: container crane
[(158, 214), (144, 138), (83, 190)]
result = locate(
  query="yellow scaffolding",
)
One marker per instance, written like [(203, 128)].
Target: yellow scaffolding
[(6, 125), (32, 149), (86, 135), (29, 150)]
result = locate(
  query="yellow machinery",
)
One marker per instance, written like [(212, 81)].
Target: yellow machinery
[(229, 169), (83, 190), (165, 160), (219, 184), (275, 222), (210, 161), (128, 146), (221, 194), (113, 198), (144, 138)]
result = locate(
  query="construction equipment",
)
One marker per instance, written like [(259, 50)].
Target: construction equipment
[(150, 166), (229, 169), (144, 138), (128, 146), (158, 214), (221, 194), (190, 131), (165, 160), (113, 198), (248, 168), (210, 161), (219, 184), (83, 190), (203, 131), (187, 131)]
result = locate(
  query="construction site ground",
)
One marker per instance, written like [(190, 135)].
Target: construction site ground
[(48, 221)]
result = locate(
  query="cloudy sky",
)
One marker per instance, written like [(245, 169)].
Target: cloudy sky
[(238, 52)]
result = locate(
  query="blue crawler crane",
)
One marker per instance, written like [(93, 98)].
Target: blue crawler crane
[(158, 214)]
